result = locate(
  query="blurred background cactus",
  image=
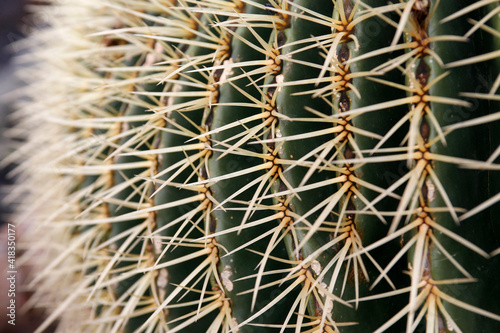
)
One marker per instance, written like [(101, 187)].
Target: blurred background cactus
[(261, 165)]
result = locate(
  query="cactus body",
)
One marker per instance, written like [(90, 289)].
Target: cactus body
[(274, 166)]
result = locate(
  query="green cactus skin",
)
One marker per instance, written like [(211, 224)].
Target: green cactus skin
[(263, 166)]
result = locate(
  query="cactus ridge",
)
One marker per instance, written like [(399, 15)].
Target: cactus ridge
[(262, 165)]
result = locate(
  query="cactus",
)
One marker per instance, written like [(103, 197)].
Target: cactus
[(262, 165)]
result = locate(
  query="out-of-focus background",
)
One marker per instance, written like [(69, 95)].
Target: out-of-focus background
[(15, 23)]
